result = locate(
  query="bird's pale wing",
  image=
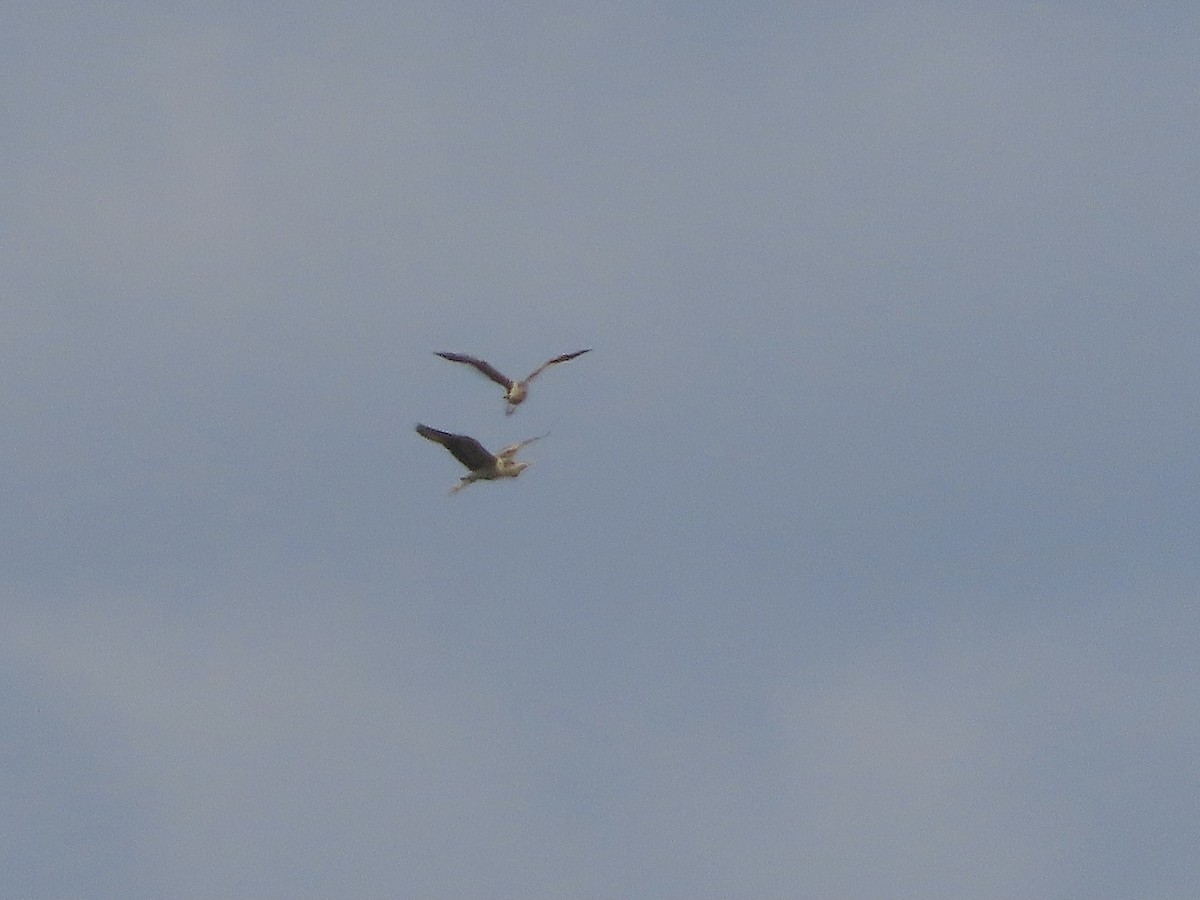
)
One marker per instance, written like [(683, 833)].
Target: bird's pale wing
[(512, 449), (466, 450), (485, 367), (551, 362)]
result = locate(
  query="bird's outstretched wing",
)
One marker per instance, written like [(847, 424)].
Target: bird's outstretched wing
[(511, 450), (466, 450), (552, 362), (485, 367)]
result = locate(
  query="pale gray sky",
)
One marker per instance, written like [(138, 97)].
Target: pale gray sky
[(861, 559)]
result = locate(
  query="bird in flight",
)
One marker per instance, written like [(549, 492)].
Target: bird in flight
[(514, 391), (472, 454)]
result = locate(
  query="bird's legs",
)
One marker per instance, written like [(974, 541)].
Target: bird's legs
[(463, 482)]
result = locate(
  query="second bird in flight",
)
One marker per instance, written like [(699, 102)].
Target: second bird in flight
[(514, 391)]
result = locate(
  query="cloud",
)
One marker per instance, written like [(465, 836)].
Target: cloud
[(248, 754), (982, 761)]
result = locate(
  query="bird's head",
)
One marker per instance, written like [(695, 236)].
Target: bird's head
[(507, 467)]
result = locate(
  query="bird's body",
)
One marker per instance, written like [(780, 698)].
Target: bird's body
[(515, 391), (483, 465)]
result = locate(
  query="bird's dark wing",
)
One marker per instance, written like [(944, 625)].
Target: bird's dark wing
[(486, 368), (551, 362), (466, 450)]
